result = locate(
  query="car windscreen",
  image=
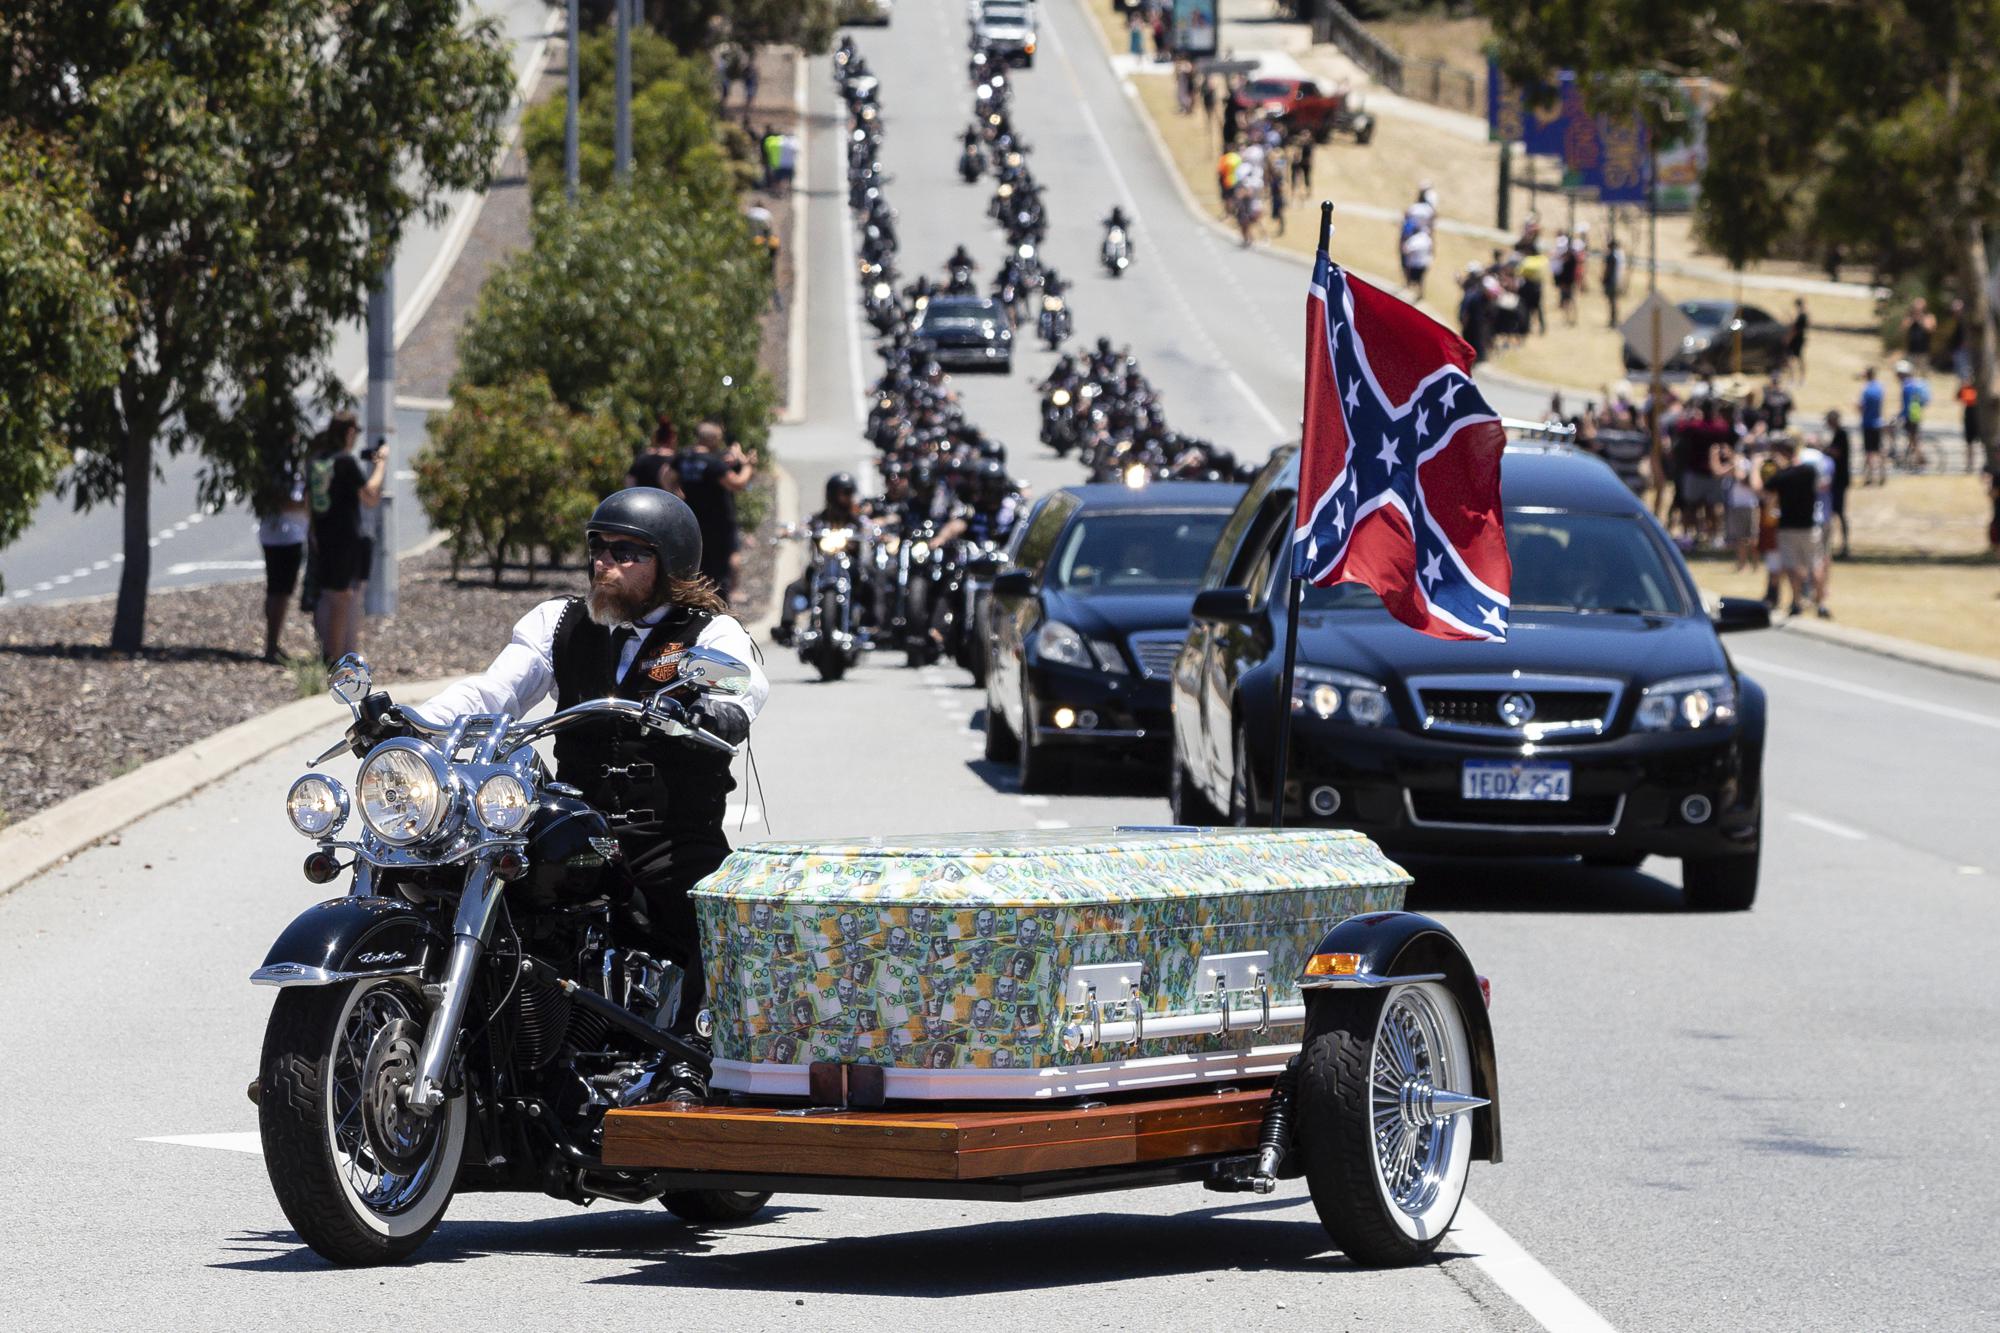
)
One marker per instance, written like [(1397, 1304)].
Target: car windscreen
[(1266, 89), (1708, 312), (1135, 551), (1587, 563)]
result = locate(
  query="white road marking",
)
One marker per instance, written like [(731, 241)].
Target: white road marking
[(1529, 1285), (43, 586), (101, 565), (1972, 870), (1034, 800), (1869, 692), (1051, 823), (249, 1141), (206, 566), (22, 592), (181, 526), (153, 542), (196, 517), (61, 579), (405, 474), (1827, 826)]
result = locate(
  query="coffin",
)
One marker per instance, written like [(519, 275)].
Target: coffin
[(1025, 965)]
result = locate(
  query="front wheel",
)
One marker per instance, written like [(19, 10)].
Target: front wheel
[(829, 658), (714, 1208), (361, 1178), (1720, 883), (1384, 1094)]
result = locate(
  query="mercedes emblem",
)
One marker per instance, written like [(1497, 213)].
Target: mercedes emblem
[(1517, 709)]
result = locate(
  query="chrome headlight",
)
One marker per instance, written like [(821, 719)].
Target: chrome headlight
[(1686, 703), (317, 806), (834, 540), (881, 291), (920, 551), (1340, 695), (1055, 303), (405, 792), (502, 803), (1136, 476), (1058, 643)]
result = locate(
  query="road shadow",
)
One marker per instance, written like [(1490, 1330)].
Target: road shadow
[(1089, 775), (1015, 1254), (97, 652), (1533, 884)]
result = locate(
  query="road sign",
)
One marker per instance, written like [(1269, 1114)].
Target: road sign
[(1638, 330)]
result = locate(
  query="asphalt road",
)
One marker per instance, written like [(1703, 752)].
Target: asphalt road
[(1776, 1119), (66, 555)]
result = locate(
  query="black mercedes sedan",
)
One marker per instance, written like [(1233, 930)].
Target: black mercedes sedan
[(966, 331), (1085, 623), (1611, 724)]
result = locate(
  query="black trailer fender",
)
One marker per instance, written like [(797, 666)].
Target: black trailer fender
[(1393, 946), (346, 938)]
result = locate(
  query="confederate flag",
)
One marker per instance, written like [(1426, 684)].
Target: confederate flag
[(1399, 475)]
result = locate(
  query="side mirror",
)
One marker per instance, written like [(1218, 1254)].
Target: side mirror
[(1014, 583), (1231, 606), (1737, 613), (717, 673), (350, 679)]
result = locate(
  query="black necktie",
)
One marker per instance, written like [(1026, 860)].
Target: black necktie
[(620, 636)]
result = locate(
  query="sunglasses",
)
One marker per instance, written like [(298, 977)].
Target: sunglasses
[(623, 553)]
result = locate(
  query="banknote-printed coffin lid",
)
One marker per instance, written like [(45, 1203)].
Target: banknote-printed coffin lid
[(1050, 867)]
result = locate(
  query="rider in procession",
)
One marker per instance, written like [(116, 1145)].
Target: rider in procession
[(664, 796)]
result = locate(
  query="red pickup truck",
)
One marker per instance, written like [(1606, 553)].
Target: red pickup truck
[(1302, 105)]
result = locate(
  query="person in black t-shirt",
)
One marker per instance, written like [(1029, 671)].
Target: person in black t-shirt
[(710, 475), (655, 467), (339, 487), (1839, 446), (1796, 485)]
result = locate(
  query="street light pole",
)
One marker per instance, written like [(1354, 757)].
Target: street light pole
[(622, 136), (571, 165)]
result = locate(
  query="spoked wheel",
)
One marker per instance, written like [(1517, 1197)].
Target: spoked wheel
[(363, 1179), (828, 656), (1384, 1098), (714, 1208)]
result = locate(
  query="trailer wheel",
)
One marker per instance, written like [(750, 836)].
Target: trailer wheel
[(714, 1208), (1386, 1149)]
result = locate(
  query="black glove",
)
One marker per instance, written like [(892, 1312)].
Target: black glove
[(725, 719), (379, 721)]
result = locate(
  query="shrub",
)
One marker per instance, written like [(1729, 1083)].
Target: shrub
[(511, 469)]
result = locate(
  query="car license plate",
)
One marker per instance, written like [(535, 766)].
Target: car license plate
[(1503, 780)]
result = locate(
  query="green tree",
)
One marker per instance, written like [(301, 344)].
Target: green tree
[(694, 25), (632, 303), (253, 164), (62, 319), (509, 469), (677, 138), (1868, 124)]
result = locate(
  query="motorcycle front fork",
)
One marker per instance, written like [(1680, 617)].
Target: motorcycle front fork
[(452, 995)]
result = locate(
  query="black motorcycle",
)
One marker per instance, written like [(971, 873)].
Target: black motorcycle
[(833, 637), (463, 1017), (971, 164)]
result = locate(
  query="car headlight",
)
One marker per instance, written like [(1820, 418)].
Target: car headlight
[(834, 540), (1695, 342), (1339, 696), (1687, 703), (1109, 659), (502, 803), (404, 792), (1058, 643), (316, 806)]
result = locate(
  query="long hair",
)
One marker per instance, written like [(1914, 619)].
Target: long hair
[(698, 593)]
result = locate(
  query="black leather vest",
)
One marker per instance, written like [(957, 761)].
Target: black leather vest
[(652, 786)]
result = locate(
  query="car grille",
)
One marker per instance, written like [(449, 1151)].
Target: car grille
[(1554, 706), (1482, 707), (1155, 654), (1587, 812)]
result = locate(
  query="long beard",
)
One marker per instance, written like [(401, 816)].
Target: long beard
[(608, 606)]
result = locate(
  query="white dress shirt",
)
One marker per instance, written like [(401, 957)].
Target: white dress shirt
[(524, 673)]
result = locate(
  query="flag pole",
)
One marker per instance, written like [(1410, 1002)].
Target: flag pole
[(1294, 592)]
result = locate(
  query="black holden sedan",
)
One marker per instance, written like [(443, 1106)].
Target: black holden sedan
[(1085, 624), (966, 331), (1611, 724), (1711, 348)]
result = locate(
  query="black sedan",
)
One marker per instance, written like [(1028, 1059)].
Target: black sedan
[(966, 331), (1611, 724), (1084, 627), (1711, 348)]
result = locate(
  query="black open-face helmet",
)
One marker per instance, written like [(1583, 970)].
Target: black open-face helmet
[(989, 482), (658, 518), (841, 485)]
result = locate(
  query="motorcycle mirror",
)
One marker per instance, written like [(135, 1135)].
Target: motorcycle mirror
[(350, 679), (717, 673)]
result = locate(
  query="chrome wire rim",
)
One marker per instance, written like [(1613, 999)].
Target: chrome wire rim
[(369, 1180), (1413, 1059)]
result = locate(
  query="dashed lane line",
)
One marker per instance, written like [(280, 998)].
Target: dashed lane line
[(249, 1141), (1869, 692), (1827, 826)]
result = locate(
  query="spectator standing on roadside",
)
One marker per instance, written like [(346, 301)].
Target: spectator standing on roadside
[(1839, 447), (338, 489), (1208, 101), (1822, 568), (1874, 467), (1777, 404), (282, 520), (1968, 401), (767, 147), (710, 476), (1274, 165), (1956, 346), (1184, 86), (1534, 281), (1919, 327), (1915, 396), (1614, 277), (1993, 494), (1135, 33), (1740, 519), (1796, 486), (655, 466), (788, 161), (1566, 274), (1302, 164), (749, 84), (1417, 255), (1795, 341)]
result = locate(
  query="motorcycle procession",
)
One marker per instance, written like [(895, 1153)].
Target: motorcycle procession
[(548, 972)]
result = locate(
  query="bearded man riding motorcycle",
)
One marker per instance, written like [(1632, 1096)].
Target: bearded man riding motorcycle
[(664, 797)]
